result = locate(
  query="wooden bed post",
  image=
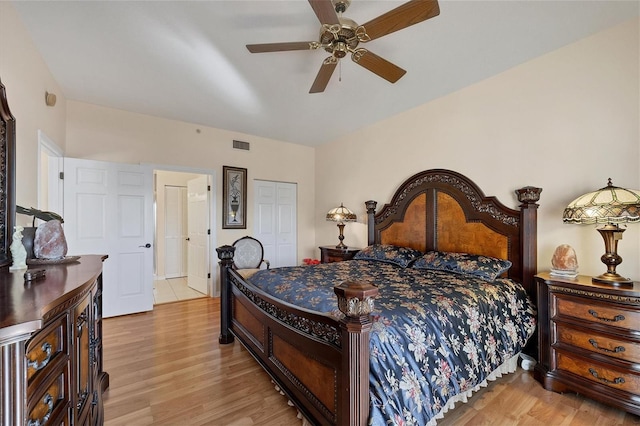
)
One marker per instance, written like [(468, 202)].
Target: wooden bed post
[(371, 212), (225, 254), (528, 196), (355, 301)]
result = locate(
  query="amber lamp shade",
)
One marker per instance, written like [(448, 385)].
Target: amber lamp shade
[(341, 215), (610, 206)]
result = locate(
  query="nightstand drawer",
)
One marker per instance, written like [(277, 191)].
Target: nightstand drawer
[(597, 373), (598, 343), (596, 313)]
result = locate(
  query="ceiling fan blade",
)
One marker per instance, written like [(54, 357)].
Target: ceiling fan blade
[(323, 77), (280, 47), (377, 65), (324, 11), (403, 16)]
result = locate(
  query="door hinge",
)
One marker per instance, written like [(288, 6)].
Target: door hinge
[(208, 274), (209, 188), (208, 231), (61, 175)]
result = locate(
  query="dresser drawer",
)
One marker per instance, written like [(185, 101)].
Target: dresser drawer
[(598, 343), (50, 405), (597, 373), (597, 313), (45, 347)]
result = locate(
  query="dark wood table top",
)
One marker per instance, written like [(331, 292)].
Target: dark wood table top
[(24, 305)]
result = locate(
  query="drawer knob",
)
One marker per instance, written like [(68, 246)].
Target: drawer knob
[(39, 365), (616, 381), (48, 400), (615, 350), (614, 319)]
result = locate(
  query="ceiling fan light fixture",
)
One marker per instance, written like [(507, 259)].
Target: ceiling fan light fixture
[(339, 36), (340, 49), (341, 6)]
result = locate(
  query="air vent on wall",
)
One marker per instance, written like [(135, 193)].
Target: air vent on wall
[(241, 145)]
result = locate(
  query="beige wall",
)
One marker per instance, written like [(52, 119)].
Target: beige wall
[(27, 78), (564, 122), (92, 132), (107, 134)]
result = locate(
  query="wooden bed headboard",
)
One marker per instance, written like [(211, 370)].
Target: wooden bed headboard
[(443, 210)]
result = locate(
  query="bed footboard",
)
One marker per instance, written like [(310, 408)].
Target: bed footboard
[(320, 363)]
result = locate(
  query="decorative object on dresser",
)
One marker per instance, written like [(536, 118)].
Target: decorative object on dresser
[(564, 262), (612, 206), (341, 214), (18, 252), (589, 339), (330, 254), (29, 233)]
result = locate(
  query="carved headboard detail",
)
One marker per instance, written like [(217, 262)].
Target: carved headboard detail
[(7, 178), (443, 210)]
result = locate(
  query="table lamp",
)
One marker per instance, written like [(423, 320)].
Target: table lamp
[(341, 214), (611, 206)]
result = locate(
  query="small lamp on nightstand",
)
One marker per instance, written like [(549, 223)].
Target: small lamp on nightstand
[(611, 206), (341, 214)]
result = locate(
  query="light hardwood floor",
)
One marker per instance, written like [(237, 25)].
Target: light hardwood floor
[(167, 368)]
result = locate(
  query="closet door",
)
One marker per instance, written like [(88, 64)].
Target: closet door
[(275, 221)]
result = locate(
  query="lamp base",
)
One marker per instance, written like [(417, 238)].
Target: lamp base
[(616, 280)]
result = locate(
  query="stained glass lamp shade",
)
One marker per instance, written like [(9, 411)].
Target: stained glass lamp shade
[(611, 206), (341, 214)]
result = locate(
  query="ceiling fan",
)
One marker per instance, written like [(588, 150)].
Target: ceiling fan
[(340, 36)]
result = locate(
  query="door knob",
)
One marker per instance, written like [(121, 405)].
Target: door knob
[(146, 245), (188, 239)]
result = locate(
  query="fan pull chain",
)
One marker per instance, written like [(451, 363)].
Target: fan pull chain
[(340, 71)]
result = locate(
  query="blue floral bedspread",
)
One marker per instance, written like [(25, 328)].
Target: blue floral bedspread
[(435, 334)]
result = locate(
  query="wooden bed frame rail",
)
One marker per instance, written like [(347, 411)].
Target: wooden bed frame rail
[(322, 363)]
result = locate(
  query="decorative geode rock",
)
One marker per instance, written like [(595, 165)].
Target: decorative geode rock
[(564, 258), (49, 242)]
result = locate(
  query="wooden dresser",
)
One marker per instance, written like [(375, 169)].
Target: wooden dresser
[(589, 340), (330, 254), (51, 346)]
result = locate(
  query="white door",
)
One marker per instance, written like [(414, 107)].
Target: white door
[(175, 231), (286, 235), (264, 223), (275, 221), (199, 234), (108, 210)]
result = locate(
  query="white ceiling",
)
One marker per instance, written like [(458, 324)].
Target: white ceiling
[(186, 60)]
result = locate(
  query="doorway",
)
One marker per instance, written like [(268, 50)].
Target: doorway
[(182, 264), (51, 196)]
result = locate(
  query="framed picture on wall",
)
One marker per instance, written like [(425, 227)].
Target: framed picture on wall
[(234, 198)]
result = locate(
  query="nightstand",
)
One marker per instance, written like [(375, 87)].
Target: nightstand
[(330, 254), (589, 340)]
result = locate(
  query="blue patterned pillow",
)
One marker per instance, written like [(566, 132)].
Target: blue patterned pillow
[(401, 256), (487, 268)]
